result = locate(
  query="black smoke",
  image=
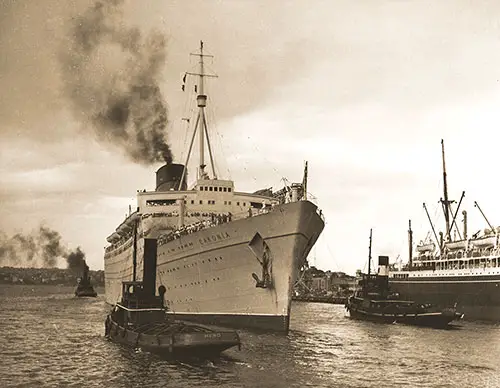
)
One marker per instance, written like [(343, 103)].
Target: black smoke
[(41, 248), (76, 260), (111, 78)]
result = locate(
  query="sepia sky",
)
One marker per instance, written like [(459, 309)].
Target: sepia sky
[(362, 90)]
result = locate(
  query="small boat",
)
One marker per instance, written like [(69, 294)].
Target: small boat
[(485, 241), (113, 237), (85, 288), (373, 301), (140, 320), (422, 248), (455, 245)]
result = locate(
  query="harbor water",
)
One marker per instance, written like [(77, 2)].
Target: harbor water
[(52, 339)]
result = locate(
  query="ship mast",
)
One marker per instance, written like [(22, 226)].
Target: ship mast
[(445, 202), (201, 120), (410, 244), (370, 253), (304, 182)]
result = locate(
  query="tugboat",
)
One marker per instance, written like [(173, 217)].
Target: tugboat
[(374, 301), (84, 287), (140, 320)]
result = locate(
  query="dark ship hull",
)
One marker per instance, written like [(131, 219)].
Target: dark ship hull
[(174, 339), (375, 300), (408, 313), (85, 288), (85, 292), (478, 297)]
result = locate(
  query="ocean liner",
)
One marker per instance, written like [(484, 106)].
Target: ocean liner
[(225, 257), (463, 271)]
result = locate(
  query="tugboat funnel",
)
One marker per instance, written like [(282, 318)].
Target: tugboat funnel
[(149, 274), (383, 272), (383, 265)]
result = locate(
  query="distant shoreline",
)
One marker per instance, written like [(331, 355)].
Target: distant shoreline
[(47, 276)]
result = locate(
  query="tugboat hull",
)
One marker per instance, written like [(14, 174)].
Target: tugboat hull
[(89, 294), (174, 339), (374, 301), (438, 319), (140, 320)]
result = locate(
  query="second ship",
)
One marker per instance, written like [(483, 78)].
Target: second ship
[(225, 257), (464, 272)]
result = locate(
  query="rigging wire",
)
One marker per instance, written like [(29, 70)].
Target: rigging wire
[(332, 256), (187, 118), (217, 142), (187, 110)]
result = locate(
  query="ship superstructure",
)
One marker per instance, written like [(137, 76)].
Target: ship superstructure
[(225, 257), (464, 271)]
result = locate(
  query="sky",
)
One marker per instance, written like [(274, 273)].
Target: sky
[(364, 91)]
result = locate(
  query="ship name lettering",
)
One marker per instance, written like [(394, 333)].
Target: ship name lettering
[(214, 238), (213, 335)]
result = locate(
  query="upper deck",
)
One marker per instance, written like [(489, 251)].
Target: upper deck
[(211, 201), (208, 196)]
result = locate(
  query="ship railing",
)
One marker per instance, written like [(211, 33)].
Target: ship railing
[(254, 212), (140, 309), (216, 219)]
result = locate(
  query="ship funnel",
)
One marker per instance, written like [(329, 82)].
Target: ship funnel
[(383, 265), (383, 272), (169, 176), (295, 191), (149, 274)]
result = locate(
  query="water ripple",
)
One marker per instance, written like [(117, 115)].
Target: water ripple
[(51, 339)]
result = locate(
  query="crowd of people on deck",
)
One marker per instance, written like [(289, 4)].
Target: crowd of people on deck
[(210, 219), (215, 219)]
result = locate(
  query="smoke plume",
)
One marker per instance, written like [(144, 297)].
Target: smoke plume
[(40, 249), (111, 79), (76, 260)]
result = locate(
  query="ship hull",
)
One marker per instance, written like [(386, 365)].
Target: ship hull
[(435, 320), (477, 297), (271, 322), (208, 274)]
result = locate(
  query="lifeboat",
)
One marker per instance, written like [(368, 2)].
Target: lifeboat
[(122, 230), (113, 238), (129, 222), (426, 248), (455, 245), (126, 227), (485, 241)]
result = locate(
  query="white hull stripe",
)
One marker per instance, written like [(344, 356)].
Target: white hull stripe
[(150, 309), (209, 313), (397, 315), (438, 281)]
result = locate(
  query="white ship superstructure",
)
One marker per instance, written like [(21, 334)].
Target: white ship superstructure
[(225, 257)]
